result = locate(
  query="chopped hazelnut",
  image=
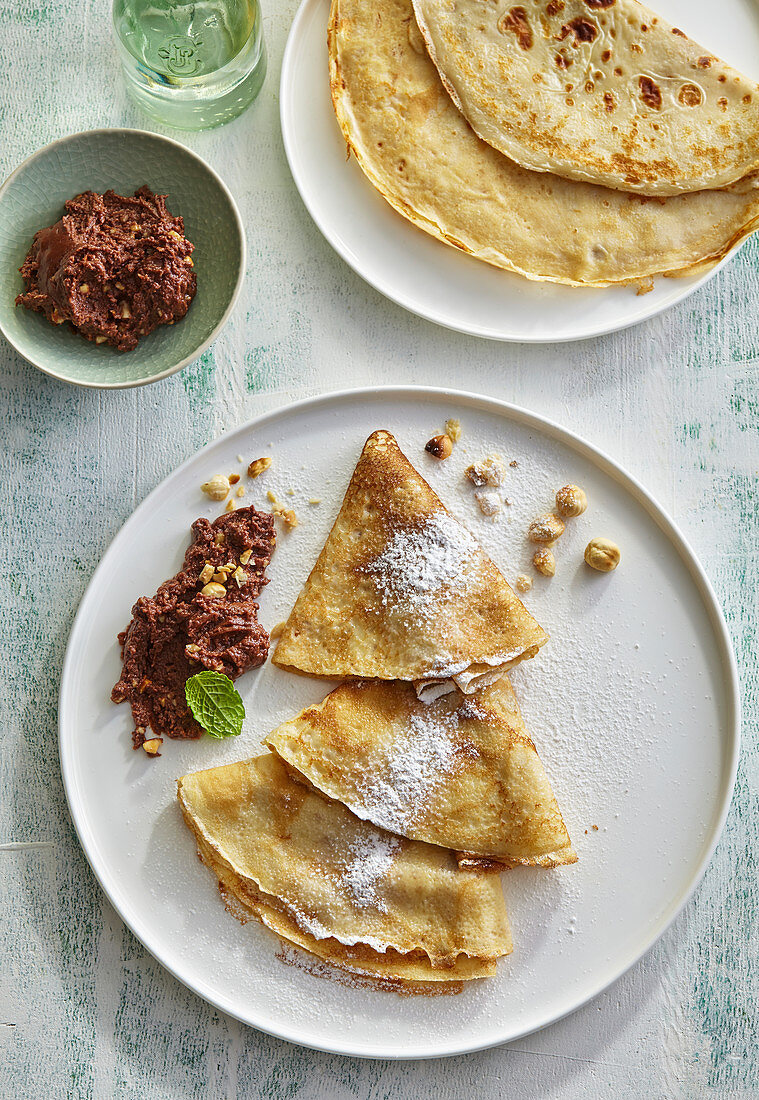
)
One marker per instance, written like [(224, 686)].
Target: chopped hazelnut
[(230, 507), (245, 557), (217, 487), (524, 583), (314, 500), (453, 429), (219, 538), (152, 745), (259, 465), (206, 573), (602, 554), (233, 479), (84, 288), (546, 529), (240, 492), (124, 311), (240, 576), (214, 591), (571, 501), (192, 648), (491, 471), (440, 446), (100, 339), (489, 501), (544, 561)]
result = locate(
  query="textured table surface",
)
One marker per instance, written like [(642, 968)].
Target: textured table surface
[(84, 1010)]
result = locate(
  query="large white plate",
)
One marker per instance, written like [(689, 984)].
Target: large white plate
[(633, 705), (422, 274)]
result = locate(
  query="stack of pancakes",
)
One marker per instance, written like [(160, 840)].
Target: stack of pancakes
[(585, 142), (372, 833)]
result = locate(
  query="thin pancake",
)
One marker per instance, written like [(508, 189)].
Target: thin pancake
[(308, 867), (597, 90), (461, 773), (422, 156), (402, 590)]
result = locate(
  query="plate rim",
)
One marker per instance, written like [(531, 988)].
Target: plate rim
[(507, 411), (63, 376), (386, 290)]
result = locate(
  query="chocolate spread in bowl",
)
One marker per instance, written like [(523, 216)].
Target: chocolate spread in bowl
[(180, 631), (114, 267)]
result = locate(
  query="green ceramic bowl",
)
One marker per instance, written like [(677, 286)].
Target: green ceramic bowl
[(33, 197)]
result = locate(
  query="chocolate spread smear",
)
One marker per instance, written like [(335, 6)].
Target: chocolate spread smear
[(179, 631), (113, 267)]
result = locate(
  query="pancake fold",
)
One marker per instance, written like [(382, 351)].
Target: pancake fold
[(336, 886), (403, 591), (462, 773)]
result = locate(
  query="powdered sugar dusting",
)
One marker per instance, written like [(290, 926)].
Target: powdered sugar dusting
[(404, 775), (422, 564), (371, 858)]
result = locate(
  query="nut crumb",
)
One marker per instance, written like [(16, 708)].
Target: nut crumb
[(216, 487), (240, 458), (571, 501), (524, 583), (546, 529), (233, 479), (219, 538), (490, 471), (544, 561), (152, 745), (230, 506), (245, 557), (287, 515), (315, 500), (240, 577), (258, 466), (206, 574), (513, 462), (453, 430), (440, 446), (489, 502), (240, 492)]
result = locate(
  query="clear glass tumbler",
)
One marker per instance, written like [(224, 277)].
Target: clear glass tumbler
[(191, 65)]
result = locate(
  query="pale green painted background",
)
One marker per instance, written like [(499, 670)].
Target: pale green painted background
[(84, 1011)]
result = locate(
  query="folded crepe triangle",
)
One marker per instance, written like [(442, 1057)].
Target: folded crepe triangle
[(462, 773), (403, 591), (367, 902)]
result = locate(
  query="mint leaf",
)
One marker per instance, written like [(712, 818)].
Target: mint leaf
[(215, 703)]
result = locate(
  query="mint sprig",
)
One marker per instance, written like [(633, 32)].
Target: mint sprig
[(215, 703)]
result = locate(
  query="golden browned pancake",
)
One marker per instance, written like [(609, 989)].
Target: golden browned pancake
[(461, 772), (403, 591), (337, 886)]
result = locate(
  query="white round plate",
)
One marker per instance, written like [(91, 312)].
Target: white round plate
[(420, 273), (633, 706)]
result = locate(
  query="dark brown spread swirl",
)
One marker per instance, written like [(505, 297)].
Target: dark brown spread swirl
[(180, 631)]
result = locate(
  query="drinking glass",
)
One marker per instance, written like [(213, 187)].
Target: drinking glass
[(192, 66)]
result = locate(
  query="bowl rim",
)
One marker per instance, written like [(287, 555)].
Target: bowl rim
[(198, 351)]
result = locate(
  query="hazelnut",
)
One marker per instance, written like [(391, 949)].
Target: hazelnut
[(240, 577), (233, 479), (453, 430), (546, 529), (571, 501), (214, 591), (491, 471), (602, 554), (230, 506), (258, 466), (217, 487), (440, 446), (524, 583), (245, 557), (84, 288), (544, 561), (240, 492), (100, 339), (206, 573), (489, 501), (152, 745)]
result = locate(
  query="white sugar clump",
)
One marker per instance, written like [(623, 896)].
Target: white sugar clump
[(421, 564), (371, 857)]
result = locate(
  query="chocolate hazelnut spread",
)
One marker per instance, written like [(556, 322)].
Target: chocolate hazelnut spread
[(114, 267), (184, 629)]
